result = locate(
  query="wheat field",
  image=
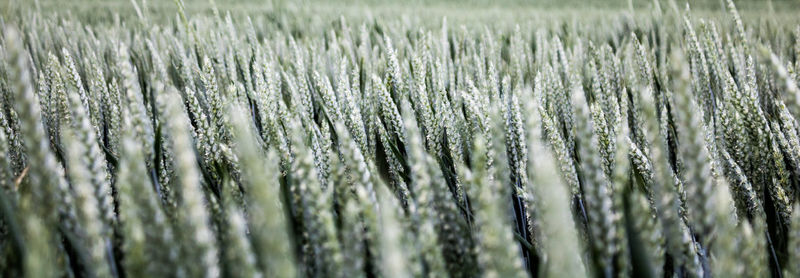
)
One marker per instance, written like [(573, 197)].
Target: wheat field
[(335, 139)]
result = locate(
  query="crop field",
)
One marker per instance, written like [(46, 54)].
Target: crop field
[(370, 138)]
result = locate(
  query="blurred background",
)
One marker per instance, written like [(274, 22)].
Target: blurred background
[(456, 10)]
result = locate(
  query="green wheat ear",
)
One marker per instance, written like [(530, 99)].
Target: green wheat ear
[(269, 231), (149, 237), (38, 205), (196, 237), (87, 206), (424, 214)]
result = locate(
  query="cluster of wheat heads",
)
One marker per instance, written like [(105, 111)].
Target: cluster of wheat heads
[(214, 147)]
